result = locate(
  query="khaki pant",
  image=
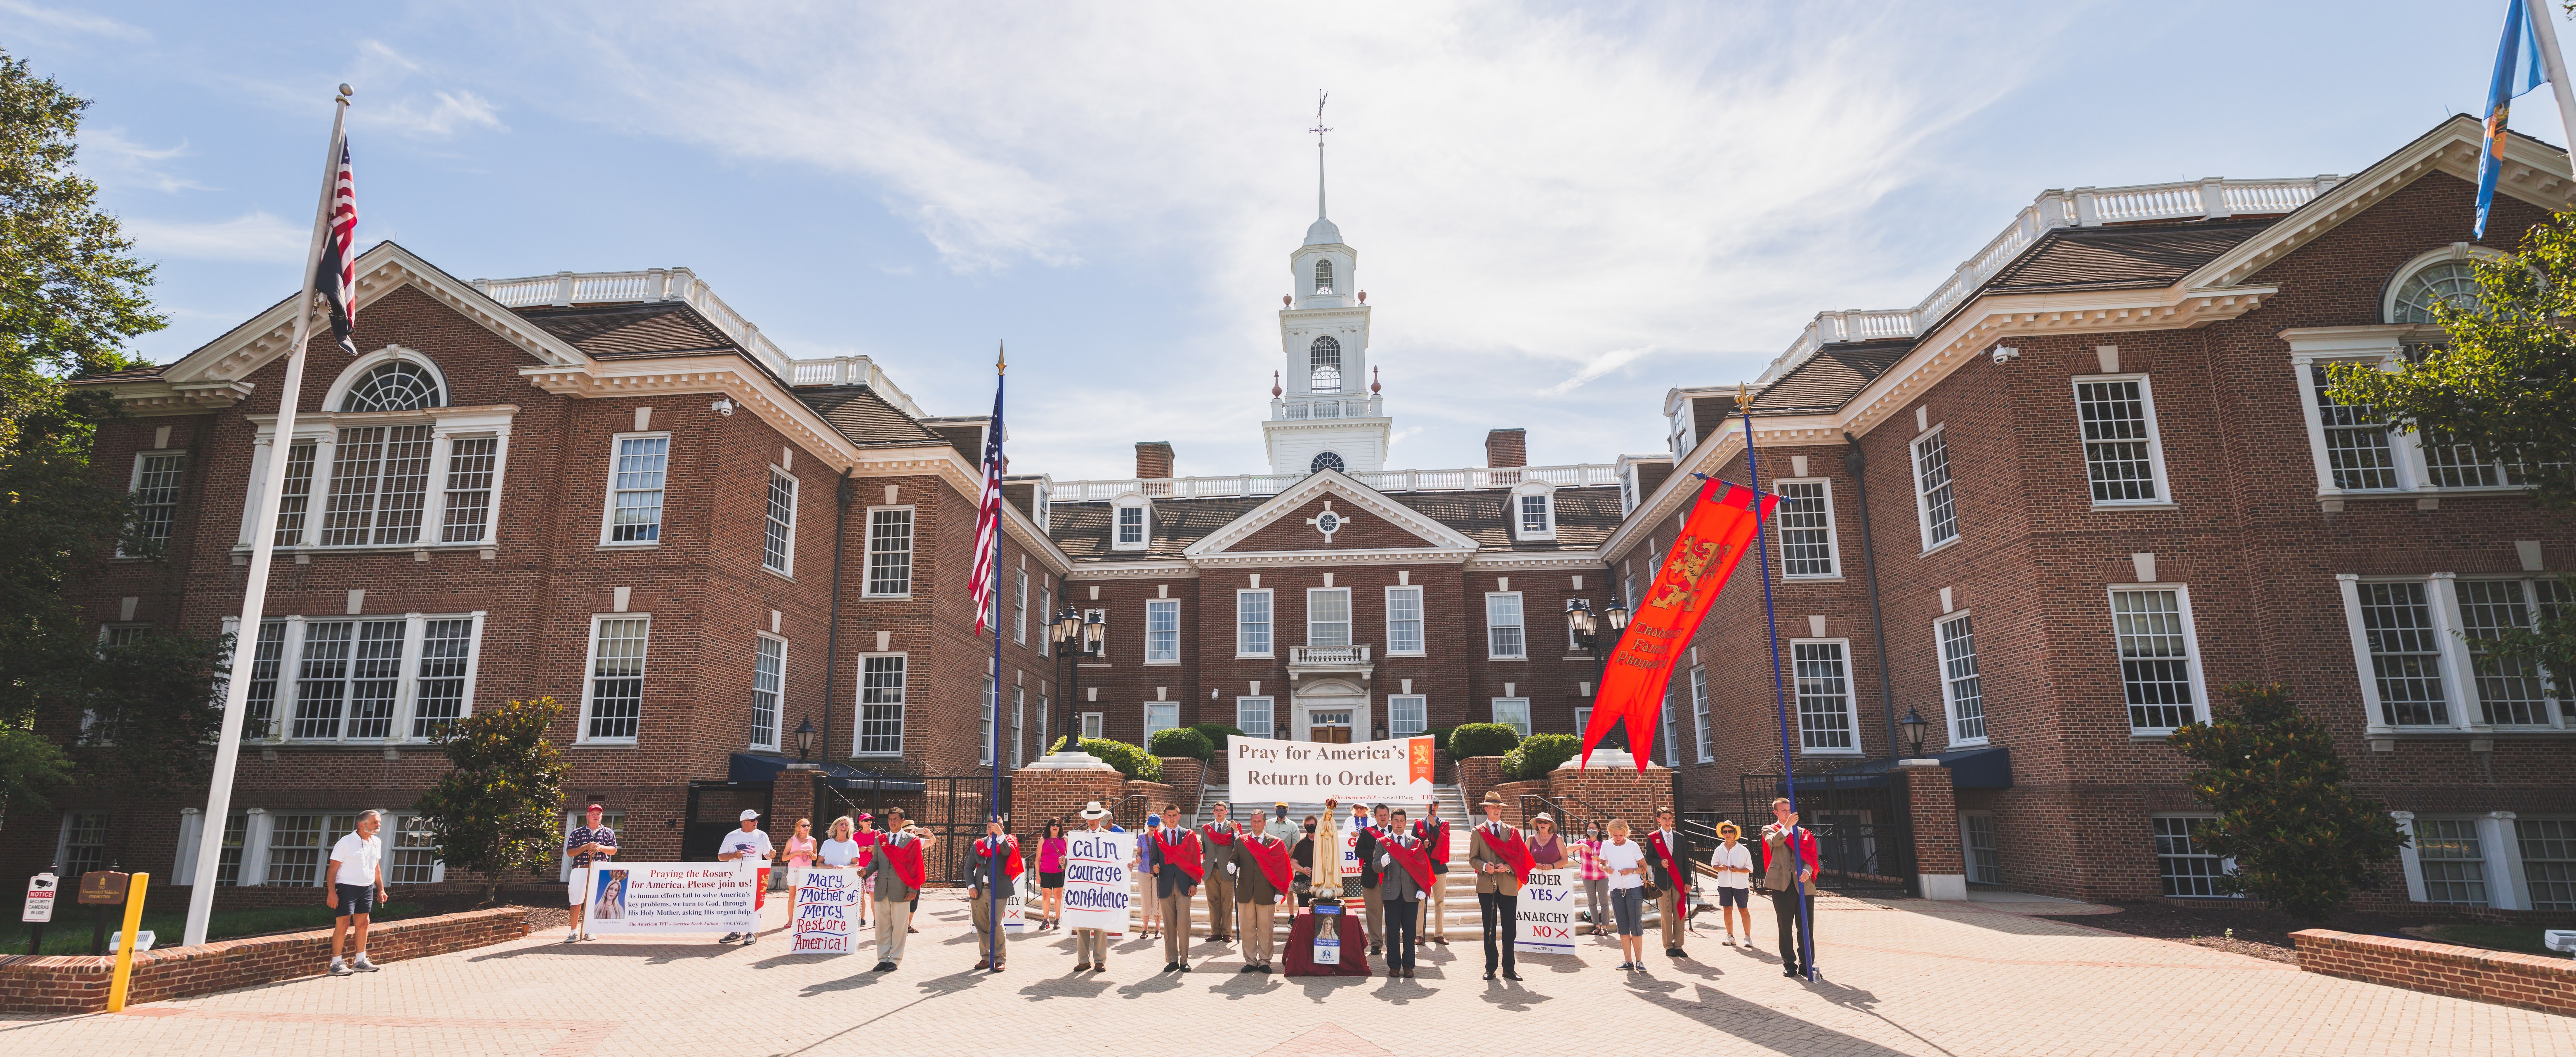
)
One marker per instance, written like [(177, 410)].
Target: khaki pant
[(1375, 905), (1220, 900), (893, 917), (984, 939), (1176, 926), (1673, 904), (1092, 946), (1257, 919), (1435, 910)]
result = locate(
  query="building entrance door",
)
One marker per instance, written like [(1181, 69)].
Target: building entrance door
[(1331, 727)]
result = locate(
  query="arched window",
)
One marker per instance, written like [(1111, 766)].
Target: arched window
[(1324, 358), (2452, 281), (395, 386), (1325, 460), (1323, 275)]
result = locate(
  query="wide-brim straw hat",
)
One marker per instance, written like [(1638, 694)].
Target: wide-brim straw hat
[(1093, 810)]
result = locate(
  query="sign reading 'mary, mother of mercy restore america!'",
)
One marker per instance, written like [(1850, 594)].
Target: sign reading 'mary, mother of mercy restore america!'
[(1309, 771)]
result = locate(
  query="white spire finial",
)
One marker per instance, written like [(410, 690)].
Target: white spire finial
[(1319, 130)]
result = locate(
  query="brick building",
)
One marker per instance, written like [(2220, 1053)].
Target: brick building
[(2125, 491)]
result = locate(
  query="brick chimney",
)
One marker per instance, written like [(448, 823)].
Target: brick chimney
[(1154, 459), (1505, 448)]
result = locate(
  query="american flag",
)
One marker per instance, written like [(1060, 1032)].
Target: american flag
[(337, 276), (988, 517)]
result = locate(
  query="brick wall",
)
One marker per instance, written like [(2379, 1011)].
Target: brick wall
[(1935, 815), (2504, 978), (1037, 796), (1622, 792), (1515, 810), (1184, 774), (66, 984), (1476, 774)]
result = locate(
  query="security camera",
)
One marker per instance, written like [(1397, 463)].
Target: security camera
[(2003, 353), (722, 407)]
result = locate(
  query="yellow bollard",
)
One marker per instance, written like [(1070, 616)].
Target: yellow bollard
[(125, 947)]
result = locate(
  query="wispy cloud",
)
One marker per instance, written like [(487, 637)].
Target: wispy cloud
[(254, 237), (440, 116), (72, 21), (108, 157)]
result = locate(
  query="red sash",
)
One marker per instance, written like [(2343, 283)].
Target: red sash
[(1415, 861), (1014, 867), (1435, 840), (1513, 853), (1223, 835), (1655, 840), (1273, 860), (1184, 855), (905, 857)]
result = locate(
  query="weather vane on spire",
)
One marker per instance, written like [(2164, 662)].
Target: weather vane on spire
[(1319, 130)]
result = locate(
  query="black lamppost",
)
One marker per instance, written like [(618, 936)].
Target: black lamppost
[(1076, 637), (1914, 724), (804, 739), (1586, 629)]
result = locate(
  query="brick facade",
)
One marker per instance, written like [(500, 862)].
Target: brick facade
[(57, 984)]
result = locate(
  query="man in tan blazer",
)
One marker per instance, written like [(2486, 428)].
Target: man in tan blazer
[(1256, 898), (1491, 852)]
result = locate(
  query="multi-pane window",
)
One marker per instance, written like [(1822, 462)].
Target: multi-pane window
[(2549, 861), (1019, 713), (1163, 631), (1699, 713), (2510, 690), (768, 681), (1252, 715), (296, 497), (2183, 865), (1252, 623), (1020, 607), (1825, 722), (472, 463), (1403, 620), (1513, 712), (2156, 658), (228, 858), (84, 842), (1503, 637), (1046, 619), (1159, 716), (156, 495), (1043, 708), (2358, 454), (2453, 282), (1092, 725), (295, 850), (617, 677), (438, 694), (1328, 616), (1961, 690), (1324, 360), (890, 551), (1131, 526), (2454, 861), (353, 678), (348, 679), (1407, 714), (2405, 654), (2450, 463), (395, 386), (1985, 861), (1672, 746), (778, 525), (635, 489), (2118, 420), (1933, 503), (379, 483), (1806, 520), (267, 654), (411, 852), (881, 678), (1534, 515), (1324, 275), (984, 732)]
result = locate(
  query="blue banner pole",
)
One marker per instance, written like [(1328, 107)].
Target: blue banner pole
[(993, 739)]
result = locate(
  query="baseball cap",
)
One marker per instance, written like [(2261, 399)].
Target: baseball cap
[(594, 807), (865, 817), (749, 814)]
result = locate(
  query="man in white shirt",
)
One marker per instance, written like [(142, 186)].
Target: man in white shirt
[(357, 883), (750, 846)]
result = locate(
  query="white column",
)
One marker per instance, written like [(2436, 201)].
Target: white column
[(192, 827), (2442, 596), (254, 858), (2373, 716), (2504, 861), (2406, 856)]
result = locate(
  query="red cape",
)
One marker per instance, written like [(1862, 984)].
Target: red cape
[(1273, 860), (1011, 869), (1184, 855), (1655, 840), (1435, 839), (1220, 834), (1415, 861), (1511, 850), (905, 857)]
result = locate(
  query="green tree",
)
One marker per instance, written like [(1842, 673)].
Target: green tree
[(500, 809), (71, 294), (150, 716), (2301, 840)]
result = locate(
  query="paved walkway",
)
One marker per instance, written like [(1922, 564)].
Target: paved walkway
[(1904, 978)]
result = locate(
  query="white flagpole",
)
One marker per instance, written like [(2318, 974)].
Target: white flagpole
[(263, 539), (2544, 28)]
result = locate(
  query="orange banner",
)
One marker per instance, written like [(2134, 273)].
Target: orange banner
[(1715, 535)]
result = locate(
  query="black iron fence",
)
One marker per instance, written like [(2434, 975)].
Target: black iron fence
[(1860, 822), (948, 811)]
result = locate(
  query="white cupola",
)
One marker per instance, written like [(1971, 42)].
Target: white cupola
[(1325, 412)]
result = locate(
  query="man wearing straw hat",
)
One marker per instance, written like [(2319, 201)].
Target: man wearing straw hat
[(1091, 946), (1501, 861)]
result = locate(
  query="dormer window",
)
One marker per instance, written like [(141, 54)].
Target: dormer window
[(1129, 521), (1324, 361), (1533, 512), (1323, 275)]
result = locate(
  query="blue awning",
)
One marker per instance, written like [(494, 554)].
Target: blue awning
[(760, 767), (1982, 767)]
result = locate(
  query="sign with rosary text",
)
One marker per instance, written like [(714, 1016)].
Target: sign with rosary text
[(1545, 924), (827, 905), (672, 897), (1305, 772), (1099, 887)]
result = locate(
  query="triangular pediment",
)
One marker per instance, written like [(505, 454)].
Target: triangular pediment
[(1329, 512)]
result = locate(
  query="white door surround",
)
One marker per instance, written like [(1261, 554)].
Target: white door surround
[(1330, 695)]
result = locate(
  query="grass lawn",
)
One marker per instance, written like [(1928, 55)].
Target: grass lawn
[(2520, 939), (69, 933)]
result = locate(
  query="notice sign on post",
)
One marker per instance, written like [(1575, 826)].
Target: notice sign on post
[(40, 899), (103, 888), (827, 903)]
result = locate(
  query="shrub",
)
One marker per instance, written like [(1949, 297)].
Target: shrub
[(1439, 736), (1217, 733), (2302, 840), (1538, 754), (1181, 741), (1482, 739), (1131, 761)]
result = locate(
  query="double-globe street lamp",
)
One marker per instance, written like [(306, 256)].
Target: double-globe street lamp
[(1586, 628), (1076, 637)]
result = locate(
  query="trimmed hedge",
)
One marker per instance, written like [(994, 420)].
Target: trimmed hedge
[(1218, 732), (1482, 739), (1135, 763), (1538, 754), (1181, 741), (1439, 736)]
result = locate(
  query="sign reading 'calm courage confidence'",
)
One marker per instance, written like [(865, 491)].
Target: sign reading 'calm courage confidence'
[(1308, 771)]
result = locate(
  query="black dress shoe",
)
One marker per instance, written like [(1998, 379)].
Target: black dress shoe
[(1185, 967), (1489, 974), (1510, 975), (884, 967), (1790, 973), (1169, 966)]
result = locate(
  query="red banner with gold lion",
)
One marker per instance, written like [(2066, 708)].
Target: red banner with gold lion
[(1715, 535)]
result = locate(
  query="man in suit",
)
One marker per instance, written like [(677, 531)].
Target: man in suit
[(1179, 864), (897, 867), (1224, 867), (1372, 828), (1491, 854), (1401, 890), (1789, 877), (1258, 893), (994, 866), (1669, 856)]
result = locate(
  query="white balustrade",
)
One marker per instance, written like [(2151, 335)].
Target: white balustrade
[(1328, 655), (1261, 484)]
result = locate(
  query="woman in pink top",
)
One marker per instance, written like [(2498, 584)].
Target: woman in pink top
[(1595, 877), (799, 854), (1051, 874), (867, 838)]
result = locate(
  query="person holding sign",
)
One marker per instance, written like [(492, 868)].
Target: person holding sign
[(1218, 838), (1502, 863), (1091, 945), (748, 847), (591, 842), (1179, 865), (1669, 856), (1404, 878), (895, 864), (980, 885), (1262, 885)]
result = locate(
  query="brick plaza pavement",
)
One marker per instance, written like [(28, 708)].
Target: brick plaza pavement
[(1902, 978)]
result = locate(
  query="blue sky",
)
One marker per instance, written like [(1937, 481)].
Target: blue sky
[(1561, 211)]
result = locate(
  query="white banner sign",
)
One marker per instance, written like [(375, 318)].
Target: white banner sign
[(827, 905), (671, 897), (1312, 771), (1098, 885), (1015, 907), (1545, 924)]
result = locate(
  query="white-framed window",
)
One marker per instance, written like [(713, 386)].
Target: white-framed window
[(2159, 657), (1808, 549), (2452, 857), (1407, 714), (2447, 276), (768, 683), (1699, 714), (1019, 714), (1046, 618), (2123, 453), (1328, 616), (1828, 720), (295, 847), (612, 818), (1513, 712), (1672, 745), (984, 731), (1159, 716), (324, 694), (1533, 512), (411, 852), (1963, 694), (889, 551), (364, 679), (1977, 839), (1503, 632), (442, 688), (473, 471), (268, 655), (1627, 586), (1131, 523), (1572, 644), (379, 486), (1324, 282), (2418, 643), (1582, 718), (881, 686), (1936, 511), (778, 528), (1092, 725), (1163, 631), (1020, 607), (2355, 442), (84, 844), (155, 491), (637, 468), (2548, 861), (1254, 716), (1252, 622), (2356, 450), (613, 700), (2184, 866), (295, 497), (1101, 615), (1404, 621)]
